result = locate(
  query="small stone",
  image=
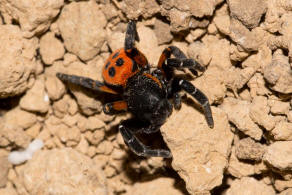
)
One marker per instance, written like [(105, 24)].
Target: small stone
[(105, 147), (280, 107), (282, 131), (51, 48), (67, 170), (199, 153), (279, 155), (249, 185), (238, 114), (36, 99), (248, 149), (148, 44), (249, 12), (162, 185), (54, 87), (4, 168), (20, 118), (83, 39), (278, 73), (17, 64), (162, 32), (239, 168)]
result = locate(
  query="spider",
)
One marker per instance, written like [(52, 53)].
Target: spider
[(145, 93)]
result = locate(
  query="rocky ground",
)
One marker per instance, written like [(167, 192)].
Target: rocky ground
[(246, 47)]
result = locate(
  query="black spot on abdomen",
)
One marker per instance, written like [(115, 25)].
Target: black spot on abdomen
[(134, 66), (115, 55), (107, 64), (111, 72), (120, 62)]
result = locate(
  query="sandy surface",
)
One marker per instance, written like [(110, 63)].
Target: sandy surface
[(246, 48)]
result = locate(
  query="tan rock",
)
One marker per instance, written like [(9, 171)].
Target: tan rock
[(133, 8), (82, 145), (67, 135), (4, 168), (148, 44), (278, 73), (162, 32), (95, 137), (286, 192), (199, 52), (237, 53), (110, 11), (34, 130), (8, 191), (279, 155), (212, 77), (238, 114), (51, 48), (239, 168), (257, 85), (282, 131), (82, 27), (10, 133), (259, 113), (199, 153), (222, 20), (219, 52), (248, 149), (248, 12), (17, 64), (20, 118), (34, 16), (237, 77), (36, 99), (67, 170), (195, 34), (279, 107), (180, 12), (54, 87), (249, 186), (105, 147), (281, 185), (116, 40), (249, 40), (158, 186)]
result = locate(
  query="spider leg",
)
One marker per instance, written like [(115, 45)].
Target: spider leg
[(183, 63), (115, 107), (200, 97), (131, 50), (177, 101), (180, 61), (138, 147), (131, 35), (85, 82)]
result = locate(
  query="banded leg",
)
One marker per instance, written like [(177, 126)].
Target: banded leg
[(131, 50), (115, 107), (177, 101), (138, 147), (166, 63), (200, 97), (85, 82), (131, 35), (183, 63)]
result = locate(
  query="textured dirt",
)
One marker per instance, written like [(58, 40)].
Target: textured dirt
[(246, 48)]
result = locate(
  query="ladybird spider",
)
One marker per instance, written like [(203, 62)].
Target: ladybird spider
[(145, 93)]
